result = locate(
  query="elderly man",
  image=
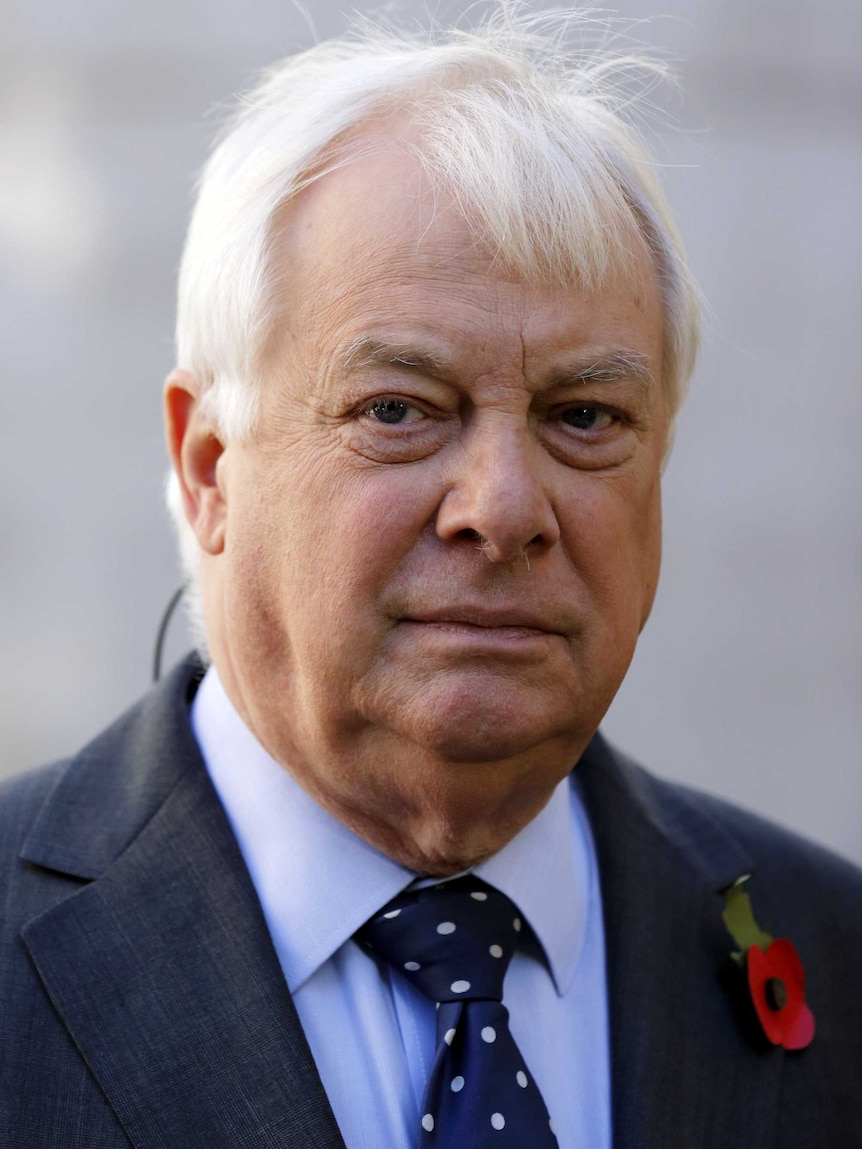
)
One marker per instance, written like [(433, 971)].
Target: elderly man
[(344, 887)]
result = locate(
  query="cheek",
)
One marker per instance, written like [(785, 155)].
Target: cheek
[(644, 533), (372, 519), (652, 547), (314, 545), (614, 533)]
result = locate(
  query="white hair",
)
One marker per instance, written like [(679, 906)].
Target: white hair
[(530, 131)]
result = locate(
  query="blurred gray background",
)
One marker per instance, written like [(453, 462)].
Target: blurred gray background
[(747, 681)]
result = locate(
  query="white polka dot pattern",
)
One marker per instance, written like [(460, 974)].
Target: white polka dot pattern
[(454, 941)]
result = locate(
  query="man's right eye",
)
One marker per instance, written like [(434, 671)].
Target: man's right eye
[(390, 409)]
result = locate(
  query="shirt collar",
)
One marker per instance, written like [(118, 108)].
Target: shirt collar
[(337, 880), (546, 870)]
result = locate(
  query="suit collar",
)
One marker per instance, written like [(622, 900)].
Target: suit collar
[(161, 967), (116, 784), (624, 799), (684, 1070)]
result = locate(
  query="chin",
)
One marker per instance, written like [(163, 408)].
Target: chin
[(477, 747), (488, 726)]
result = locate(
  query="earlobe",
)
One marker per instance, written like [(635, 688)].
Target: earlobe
[(196, 451)]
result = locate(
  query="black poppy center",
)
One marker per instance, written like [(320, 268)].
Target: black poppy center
[(776, 993)]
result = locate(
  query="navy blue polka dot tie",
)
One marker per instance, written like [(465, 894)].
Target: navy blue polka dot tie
[(454, 941)]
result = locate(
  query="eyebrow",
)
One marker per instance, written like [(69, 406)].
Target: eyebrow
[(611, 367), (367, 352)]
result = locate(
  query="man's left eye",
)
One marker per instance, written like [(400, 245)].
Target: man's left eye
[(390, 409), (587, 418)]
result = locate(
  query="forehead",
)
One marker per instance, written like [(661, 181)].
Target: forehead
[(375, 248)]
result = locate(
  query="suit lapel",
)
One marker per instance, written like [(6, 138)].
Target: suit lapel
[(162, 967), (686, 1068)]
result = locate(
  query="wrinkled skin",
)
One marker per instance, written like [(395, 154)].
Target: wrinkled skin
[(425, 573)]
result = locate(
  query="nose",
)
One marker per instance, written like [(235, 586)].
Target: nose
[(498, 495)]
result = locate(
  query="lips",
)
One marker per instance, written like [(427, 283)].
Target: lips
[(487, 618)]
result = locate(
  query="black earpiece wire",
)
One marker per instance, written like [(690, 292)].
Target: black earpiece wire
[(163, 630)]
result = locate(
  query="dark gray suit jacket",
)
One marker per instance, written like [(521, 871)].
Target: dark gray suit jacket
[(141, 1001)]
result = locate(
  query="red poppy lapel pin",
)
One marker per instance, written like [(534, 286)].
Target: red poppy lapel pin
[(776, 976)]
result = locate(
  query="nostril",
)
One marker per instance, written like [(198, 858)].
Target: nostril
[(471, 535)]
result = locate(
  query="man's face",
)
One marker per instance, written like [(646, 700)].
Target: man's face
[(439, 547)]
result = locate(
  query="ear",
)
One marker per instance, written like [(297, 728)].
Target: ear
[(195, 449)]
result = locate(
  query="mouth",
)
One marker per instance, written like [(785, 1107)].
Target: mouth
[(483, 624), (484, 618)]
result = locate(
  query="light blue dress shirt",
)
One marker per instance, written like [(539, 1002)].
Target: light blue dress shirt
[(372, 1035)]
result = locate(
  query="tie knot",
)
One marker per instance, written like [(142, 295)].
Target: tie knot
[(453, 940)]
